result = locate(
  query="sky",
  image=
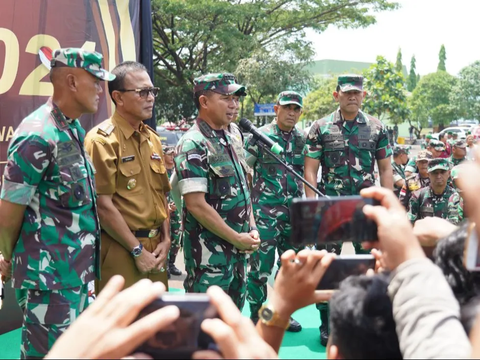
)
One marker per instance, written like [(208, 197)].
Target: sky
[(418, 27)]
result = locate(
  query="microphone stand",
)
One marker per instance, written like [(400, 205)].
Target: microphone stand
[(289, 168)]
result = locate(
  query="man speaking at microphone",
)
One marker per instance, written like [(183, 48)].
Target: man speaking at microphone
[(273, 189), (218, 221)]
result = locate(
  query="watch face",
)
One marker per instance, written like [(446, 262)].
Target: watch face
[(267, 314), (137, 251)]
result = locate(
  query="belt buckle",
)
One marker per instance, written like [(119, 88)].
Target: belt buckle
[(153, 233)]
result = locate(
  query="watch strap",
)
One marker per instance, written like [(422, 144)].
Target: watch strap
[(275, 319)]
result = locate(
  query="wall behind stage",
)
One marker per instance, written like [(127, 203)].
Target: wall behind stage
[(27, 27)]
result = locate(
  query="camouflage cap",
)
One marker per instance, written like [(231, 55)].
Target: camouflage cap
[(438, 164), (437, 145), (290, 97), (350, 83), (424, 155), (399, 149), (91, 61), (460, 144), (449, 133), (455, 134), (221, 83), (168, 149), (429, 136)]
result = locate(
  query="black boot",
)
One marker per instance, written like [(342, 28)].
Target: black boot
[(172, 269), (294, 326), (324, 328)]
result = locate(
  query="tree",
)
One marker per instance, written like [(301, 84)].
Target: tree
[(398, 64), (195, 37), (412, 76), (266, 74), (385, 91), (466, 94), (320, 101), (442, 57), (431, 99)]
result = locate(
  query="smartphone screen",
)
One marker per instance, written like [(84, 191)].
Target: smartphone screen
[(344, 266), (182, 338), (338, 219)]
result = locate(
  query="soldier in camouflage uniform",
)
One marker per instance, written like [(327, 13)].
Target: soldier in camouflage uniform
[(424, 144), (175, 219), (459, 152), (418, 180), (439, 199), (435, 147), (273, 189), (49, 198), (217, 217), (400, 159), (346, 144)]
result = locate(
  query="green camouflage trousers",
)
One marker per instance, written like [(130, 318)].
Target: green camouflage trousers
[(337, 249), (274, 236), (46, 315), (230, 277), (175, 234)]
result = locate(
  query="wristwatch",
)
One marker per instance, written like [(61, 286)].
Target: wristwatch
[(270, 317), (137, 250)]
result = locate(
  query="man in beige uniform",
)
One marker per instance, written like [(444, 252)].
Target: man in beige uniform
[(131, 183)]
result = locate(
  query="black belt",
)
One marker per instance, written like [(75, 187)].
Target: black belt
[(146, 233)]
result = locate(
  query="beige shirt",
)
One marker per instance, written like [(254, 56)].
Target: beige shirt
[(130, 166)]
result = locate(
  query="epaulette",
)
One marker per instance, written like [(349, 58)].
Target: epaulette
[(149, 128), (105, 128), (410, 176)]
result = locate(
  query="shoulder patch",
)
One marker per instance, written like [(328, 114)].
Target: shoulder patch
[(105, 128)]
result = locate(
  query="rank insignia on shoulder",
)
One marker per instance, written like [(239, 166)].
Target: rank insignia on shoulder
[(155, 156), (128, 158)]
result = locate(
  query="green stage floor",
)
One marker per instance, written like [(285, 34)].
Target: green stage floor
[(302, 345)]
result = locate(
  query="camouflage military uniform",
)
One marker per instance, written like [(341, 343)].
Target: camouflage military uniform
[(57, 252), (272, 193), (206, 162), (347, 151), (175, 226), (414, 182), (424, 203), (398, 170), (459, 144)]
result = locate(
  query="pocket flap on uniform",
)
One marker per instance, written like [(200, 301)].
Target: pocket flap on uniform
[(157, 167), (130, 169), (223, 170)]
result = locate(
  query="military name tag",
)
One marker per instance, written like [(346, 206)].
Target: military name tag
[(128, 158)]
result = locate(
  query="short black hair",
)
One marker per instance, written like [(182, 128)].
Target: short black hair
[(448, 256), (361, 319), (120, 71), (441, 136), (196, 97)]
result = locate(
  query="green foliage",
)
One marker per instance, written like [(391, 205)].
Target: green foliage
[(267, 73), (442, 57), (412, 76), (465, 96), (431, 99), (320, 101), (399, 64), (193, 37), (385, 91)]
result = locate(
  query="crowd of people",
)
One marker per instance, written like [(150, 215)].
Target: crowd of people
[(114, 205)]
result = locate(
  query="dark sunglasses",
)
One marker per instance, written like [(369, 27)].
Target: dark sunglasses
[(144, 92)]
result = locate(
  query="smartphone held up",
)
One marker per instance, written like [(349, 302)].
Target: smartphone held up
[(331, 220), (184, 336)]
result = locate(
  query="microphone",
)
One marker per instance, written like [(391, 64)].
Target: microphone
[(247, 125)]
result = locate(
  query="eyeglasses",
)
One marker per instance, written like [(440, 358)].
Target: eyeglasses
[(143, 92)]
